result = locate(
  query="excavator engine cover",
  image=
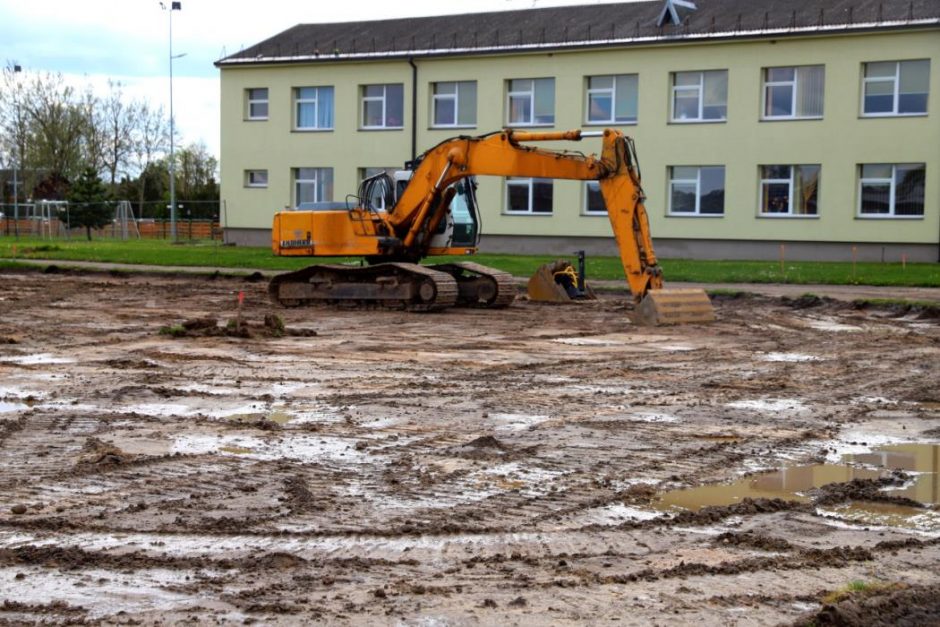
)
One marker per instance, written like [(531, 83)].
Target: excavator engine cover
[(557, 282), (660, 307)]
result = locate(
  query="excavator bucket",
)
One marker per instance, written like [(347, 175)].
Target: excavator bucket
[(557, 282), (661, 307)]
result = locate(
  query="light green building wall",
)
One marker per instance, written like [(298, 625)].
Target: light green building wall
[(839, 142)]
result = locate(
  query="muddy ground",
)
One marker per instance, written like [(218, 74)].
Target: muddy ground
[(491, 467)]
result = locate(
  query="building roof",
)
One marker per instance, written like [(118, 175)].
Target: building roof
[(582, 26)]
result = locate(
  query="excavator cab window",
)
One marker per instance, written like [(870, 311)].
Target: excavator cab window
[(463, 210)]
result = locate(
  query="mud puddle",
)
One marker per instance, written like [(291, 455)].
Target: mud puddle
[(920, 464), (6, 406)]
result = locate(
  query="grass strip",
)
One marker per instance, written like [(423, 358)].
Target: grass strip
[(214, 254)]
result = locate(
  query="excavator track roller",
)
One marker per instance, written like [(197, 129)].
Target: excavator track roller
[(679, 306)]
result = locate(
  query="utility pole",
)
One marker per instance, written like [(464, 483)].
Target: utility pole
[(18, 152), (174, 6)]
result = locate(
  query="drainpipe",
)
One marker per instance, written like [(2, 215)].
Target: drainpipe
[(414, 108)]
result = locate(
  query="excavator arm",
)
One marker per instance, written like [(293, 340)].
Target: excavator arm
[(419, 208)]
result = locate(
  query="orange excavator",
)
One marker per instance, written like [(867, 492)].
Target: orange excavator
[(432, 211)]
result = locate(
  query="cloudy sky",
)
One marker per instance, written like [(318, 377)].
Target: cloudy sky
[(90, 41)]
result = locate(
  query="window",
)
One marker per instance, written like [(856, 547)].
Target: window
[(313, 108), (383, 106), (695, 191), (793, 92), (256, 178), (789, 190), (531, 102), (891, 190), (313, 185), (593, 199), (257, 103), (380, 193), (700, 96), (529, 196), (612, 99), (896, 88), (455, 104)]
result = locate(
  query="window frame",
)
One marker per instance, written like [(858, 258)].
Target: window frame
[(700, 88), (671, 180), (298, 101), (248, 178), (530, 185), (794, 98), (896, 93), (317, 183), (891, 215), (612, 90), (456, 98), (384, 99), (585, 211), (531, 93), (250, 102), (789, 215)]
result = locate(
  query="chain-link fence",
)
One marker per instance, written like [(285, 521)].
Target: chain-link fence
[(125, 220)]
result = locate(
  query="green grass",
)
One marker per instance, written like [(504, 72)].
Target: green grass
[(213, 254)]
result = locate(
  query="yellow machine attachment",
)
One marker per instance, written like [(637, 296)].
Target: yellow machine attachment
[(559, 282)]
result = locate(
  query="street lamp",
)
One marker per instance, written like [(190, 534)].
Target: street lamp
[(17, 153), (174, 6)]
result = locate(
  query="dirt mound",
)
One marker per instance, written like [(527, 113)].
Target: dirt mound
[(871, 490), (99, 453), (272, 326), (753, 540), (877, 607), (807, 301), (485, 441)]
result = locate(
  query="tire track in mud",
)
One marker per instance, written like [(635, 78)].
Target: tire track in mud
[(445, 470)]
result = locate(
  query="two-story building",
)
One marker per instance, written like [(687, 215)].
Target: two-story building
[(757, 122)]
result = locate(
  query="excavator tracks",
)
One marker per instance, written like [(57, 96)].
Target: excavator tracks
[(407, 286), (480, 286)]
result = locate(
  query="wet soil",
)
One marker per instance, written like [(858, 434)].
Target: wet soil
[(467, 467)]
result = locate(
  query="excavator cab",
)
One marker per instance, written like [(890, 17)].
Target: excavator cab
[(460, 227)]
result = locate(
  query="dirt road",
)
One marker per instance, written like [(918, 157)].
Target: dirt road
[(536, 465)]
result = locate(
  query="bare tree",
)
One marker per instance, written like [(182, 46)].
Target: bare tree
[(149, 141), (95, 131), (120, 120)]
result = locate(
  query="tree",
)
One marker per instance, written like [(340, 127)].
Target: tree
[(57, 122), (149, 139), (88, 202), (196, 180), (119, 120)]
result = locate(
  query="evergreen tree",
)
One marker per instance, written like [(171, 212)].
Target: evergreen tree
[(88, 202)]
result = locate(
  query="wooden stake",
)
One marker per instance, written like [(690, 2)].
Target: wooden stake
[(854, 260), (904, 261), (783, 248), (238, 315)]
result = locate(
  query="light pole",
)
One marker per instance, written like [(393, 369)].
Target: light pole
[(17, 152), (174, 6)]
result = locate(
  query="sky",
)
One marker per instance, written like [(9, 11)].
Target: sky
[(92, 41)]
